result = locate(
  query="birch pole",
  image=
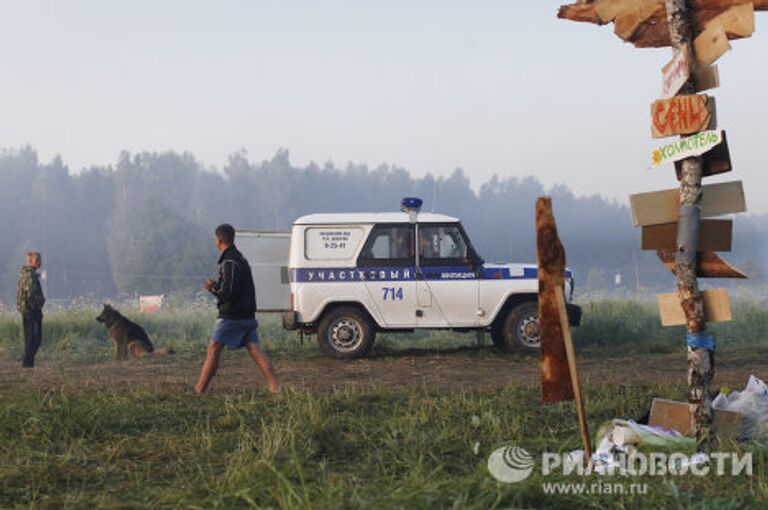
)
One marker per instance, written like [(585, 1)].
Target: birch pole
[(700, 345)]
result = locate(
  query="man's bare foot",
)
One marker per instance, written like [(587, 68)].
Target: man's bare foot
[(274, 387)]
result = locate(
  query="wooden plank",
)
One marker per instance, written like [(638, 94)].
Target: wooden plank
[(710, 45), (706, 78), (573, 369), (658, 207), (717, 307), (690, 146), (708, 265), (714, 235), (714, 162), (653, 32), (682, 115), (676, 73), (627, 24), (555, 375), (609, 10), (738, 21)]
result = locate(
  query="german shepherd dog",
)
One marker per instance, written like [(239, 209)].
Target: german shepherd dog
[(128, 336)]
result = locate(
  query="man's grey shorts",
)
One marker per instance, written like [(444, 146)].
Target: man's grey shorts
[(235, 333)]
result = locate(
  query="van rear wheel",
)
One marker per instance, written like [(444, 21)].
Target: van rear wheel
[(519, 330), (345, 333)]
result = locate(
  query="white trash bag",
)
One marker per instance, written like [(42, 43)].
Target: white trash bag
[(752, 403)]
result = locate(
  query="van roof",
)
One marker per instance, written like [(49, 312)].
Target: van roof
[(371, 218)]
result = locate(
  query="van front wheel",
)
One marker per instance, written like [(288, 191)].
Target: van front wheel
[(520, 329), (345, 333)]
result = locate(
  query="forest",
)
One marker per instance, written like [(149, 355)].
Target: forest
[(144, 225)]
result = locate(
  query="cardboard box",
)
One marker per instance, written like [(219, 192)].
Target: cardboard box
[(679, 416)]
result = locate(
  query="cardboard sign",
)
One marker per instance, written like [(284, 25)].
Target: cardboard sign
[(717, 307), (657, 207), (676, 73), (714, 235), (708, 265), (706, 78), (682, 115), (713, 162), (694, 145), (679, 416), (710, 45)]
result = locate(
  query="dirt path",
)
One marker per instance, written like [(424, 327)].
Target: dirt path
[(444, 371)]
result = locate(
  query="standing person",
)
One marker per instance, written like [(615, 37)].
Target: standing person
[(29, 303), (236, 326)]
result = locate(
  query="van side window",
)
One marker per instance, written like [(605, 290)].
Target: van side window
[(389, 245), (441, 245)]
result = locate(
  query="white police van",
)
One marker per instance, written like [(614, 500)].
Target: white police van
[(352, 275)]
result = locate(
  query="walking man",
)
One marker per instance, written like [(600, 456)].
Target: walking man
[(29, 303), (236, 326)]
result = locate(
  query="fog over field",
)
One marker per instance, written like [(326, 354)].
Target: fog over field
[(144, 224)]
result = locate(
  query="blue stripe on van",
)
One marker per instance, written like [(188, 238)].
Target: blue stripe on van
[(399, 274)]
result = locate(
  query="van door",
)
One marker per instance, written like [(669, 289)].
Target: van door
[(267, 253), (447, 276), (389, 264)]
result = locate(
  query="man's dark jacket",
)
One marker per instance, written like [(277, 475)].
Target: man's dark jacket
[(235, 290)]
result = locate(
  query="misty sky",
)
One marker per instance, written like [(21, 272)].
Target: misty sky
[(490, 86)]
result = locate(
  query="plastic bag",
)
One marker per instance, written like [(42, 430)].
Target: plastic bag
[(627, 436), (752, 403)]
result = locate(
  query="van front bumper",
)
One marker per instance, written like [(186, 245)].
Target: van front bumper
[(574, 314)]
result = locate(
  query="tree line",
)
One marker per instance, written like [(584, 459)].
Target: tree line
[(144, 225)]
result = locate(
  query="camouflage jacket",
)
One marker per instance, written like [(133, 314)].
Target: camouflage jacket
[(29, 292)]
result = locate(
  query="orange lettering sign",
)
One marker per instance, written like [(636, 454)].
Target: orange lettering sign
[(682, 115)]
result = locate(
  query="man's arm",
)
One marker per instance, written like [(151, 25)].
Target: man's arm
[(223, 288), (22, 292)]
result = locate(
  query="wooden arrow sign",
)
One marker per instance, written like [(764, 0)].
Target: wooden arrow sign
[(717, 307), (708, 265), (682, 115), (659, 207), (714, 235)]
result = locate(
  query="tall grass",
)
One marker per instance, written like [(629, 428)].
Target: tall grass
[(377, 449), (73, 334)]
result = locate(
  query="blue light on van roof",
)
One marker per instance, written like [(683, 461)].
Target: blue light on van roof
[(411, 204)]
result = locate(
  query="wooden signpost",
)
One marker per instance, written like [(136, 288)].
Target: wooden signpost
[(698, 31)]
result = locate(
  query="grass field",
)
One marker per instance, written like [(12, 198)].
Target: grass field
[(361, 439)]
